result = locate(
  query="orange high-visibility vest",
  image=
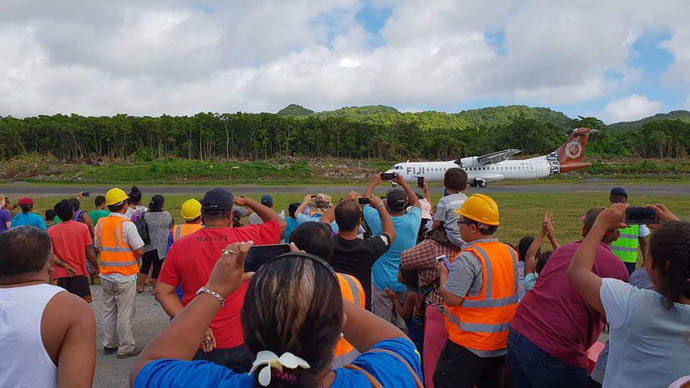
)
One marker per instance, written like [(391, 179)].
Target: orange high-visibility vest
[(353, 292), (180, 231), (116, 255), (481, 322)]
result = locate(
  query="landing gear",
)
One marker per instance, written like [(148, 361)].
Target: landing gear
[(478, 182), (482, 184)]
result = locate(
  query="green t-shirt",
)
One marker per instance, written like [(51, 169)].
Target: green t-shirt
[(97, 215)]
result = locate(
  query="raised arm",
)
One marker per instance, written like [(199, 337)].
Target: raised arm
[(373, 182), (580, 275), (181, 338), (264, 212), (386, 220), (303, 206), (531, 255), (411, 195)]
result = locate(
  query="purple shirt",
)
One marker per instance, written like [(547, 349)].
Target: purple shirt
[(554, 317), (5, 217)]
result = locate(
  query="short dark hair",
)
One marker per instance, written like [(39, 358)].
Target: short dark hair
[(64, 209), (541, 262), (294, 304), (26, 208), (214, 214), (618, 198), (670, 245), (100, 200), (591, 217), (455, 179), (25, 250), (410, 278), (293, 208), (50, 215), (117, 208), (348, 215), (75, 204), (485, 230), (315, 238)]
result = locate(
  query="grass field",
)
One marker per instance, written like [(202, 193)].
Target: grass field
[(521, 213)]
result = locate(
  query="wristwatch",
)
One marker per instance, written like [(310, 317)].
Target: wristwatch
[(204, 290)]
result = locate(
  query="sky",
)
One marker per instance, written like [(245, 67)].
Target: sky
[(618, 60)]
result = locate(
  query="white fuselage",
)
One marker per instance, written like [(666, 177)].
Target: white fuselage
[(533, 168)]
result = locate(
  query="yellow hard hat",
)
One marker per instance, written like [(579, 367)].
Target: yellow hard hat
[(191, 209), (480, 208), (114, 196)]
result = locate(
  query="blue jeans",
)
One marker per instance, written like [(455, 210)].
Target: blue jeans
[(531, 367)]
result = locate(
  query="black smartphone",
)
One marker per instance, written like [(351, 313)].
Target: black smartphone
[(640, 216), (420, 182), (84, 193), (388, 176), (363, 201), (258, 255)]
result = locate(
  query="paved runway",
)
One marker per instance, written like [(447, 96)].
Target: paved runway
[(17, 189)]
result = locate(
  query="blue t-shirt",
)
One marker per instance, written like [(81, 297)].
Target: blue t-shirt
[(387, 369), (30, 219), (385, 269), (291, 225), (302, 218)]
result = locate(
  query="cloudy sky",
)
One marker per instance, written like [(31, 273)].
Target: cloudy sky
[(615, 59)]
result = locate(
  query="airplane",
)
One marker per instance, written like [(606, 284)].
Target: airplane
[(497, 166)]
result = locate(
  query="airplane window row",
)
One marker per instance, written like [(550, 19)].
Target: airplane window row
[(500, 168)]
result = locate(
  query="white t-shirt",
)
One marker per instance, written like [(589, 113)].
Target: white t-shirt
[(648, 340)]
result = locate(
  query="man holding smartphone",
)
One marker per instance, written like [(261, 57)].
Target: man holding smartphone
[(385, 270), (191, 259), (631, 239)]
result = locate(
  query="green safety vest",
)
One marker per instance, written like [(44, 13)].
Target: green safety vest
[(627, 245)]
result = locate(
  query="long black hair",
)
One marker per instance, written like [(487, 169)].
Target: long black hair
[(156, 204), (670, 250)]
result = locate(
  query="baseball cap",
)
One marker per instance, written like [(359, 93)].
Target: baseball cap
[(619, 191), (26, 201), (267, 200), (217, 200), (396, 199)]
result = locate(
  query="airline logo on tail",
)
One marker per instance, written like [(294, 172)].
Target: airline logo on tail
[(570, 154)]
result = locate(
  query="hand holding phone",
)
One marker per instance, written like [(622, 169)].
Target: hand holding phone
[(443, 259), (640, 216), (258, 255), (363, 201), (388, 176), (420, 182)]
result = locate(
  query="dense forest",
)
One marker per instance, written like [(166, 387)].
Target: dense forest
[(362, 132)]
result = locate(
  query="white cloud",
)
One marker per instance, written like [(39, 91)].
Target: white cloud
[(158, 57), (630, 108)]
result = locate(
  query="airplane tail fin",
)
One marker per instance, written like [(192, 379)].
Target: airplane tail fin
[(570, 154)]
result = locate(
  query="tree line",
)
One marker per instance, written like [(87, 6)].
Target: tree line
[(250, 136)]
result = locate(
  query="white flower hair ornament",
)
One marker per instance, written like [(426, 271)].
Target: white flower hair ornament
[(270, 359)]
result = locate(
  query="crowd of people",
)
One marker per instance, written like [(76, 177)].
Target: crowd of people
[(364, 291)]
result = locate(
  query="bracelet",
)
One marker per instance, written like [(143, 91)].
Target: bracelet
[(204, 290), (377, 207)]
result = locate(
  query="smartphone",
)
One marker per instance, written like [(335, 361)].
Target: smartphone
[(640, 216), (258, 255), (363, 201), (420, 182), (84, 193), (443, 259), (388, 176), (312, 196)]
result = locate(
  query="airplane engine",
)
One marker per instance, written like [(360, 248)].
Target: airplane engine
[(467, 162)]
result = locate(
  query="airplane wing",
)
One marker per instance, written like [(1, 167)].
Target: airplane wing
[(497, 157)]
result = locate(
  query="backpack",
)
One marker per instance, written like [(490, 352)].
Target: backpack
[(143, 228)]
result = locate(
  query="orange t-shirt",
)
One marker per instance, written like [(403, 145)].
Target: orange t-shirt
[(70, 240)]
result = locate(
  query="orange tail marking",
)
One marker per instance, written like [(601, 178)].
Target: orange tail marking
[(572, 151)]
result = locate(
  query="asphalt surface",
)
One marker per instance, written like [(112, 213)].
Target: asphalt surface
[(150, 320), (19, 189)]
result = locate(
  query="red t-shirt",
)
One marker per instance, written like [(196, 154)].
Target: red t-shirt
[(554, 317), (190, 260), (70, 239)]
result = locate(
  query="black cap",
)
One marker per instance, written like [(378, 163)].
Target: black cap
[(217, 201), (619, 191), (396, 200)]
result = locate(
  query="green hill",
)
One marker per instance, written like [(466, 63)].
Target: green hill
[(294, 110), (429, 120), (682, 115)]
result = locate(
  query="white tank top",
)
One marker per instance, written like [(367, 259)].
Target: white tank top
[(25, 362)]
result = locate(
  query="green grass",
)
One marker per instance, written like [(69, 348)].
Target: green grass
[(521, 213)]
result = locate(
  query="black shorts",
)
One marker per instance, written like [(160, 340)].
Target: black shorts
[(77, 285)]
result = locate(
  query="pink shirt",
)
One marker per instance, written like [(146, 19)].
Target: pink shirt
[(554, 317)]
